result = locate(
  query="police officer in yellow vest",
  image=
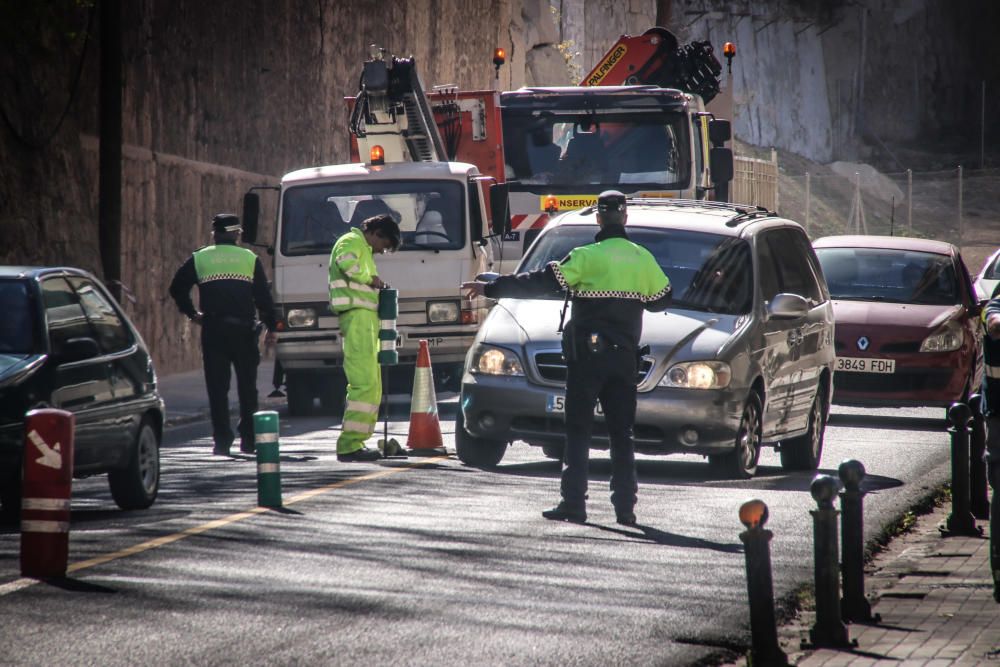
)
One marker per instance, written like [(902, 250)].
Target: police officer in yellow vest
[(611, 282), (232, 291), (354, 287)]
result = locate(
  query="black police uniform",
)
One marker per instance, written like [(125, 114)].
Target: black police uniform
[(232, 289), (601, 347)]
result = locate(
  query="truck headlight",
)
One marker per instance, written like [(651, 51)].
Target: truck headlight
[(698, 375), (439, 312), (298, 318), (496, 361), (948, 338)]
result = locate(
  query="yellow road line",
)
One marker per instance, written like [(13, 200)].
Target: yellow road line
[(24, 582)]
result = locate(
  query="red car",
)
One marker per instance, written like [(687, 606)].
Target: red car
[(906, 322)]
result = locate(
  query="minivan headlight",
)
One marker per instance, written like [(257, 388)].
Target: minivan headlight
[(298, 318), (698, 375), (948, 338), (496, 361)]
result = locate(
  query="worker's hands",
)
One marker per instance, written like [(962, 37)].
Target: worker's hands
[(993, 326), (475, 288), (378, 283), (270, 341)]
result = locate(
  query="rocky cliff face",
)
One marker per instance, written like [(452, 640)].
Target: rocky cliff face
[(221, 96)]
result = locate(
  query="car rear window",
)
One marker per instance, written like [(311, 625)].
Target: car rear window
[(17, 329), (898, 276), (708, 272)]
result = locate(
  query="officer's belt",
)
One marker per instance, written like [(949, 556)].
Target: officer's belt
[(231, 321)]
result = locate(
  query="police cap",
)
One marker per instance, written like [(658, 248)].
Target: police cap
[(611, 201), (226, 222)]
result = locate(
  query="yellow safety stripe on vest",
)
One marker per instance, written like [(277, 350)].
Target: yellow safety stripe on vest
[(361, 406), (350, 284), (356, 303)]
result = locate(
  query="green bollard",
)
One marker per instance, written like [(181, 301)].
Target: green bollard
[(265, 428)]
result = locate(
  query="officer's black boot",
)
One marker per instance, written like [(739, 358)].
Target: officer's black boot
[(566, 512)]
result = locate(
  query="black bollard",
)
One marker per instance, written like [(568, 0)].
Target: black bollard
[(979, 493), (854, 606), (760, 589), (993, 472), (960, 521), (829, 630)]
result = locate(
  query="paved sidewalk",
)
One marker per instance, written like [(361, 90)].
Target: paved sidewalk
[(187, 400), (935, 598)]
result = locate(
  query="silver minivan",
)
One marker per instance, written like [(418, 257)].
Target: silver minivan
[(743, 358)]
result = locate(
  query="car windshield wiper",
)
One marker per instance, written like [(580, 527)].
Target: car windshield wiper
[(686, 305), (839, 297)]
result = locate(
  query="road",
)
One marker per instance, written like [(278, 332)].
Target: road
[(424, 561)]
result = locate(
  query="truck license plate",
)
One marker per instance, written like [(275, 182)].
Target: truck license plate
[(863, 365), (556, 404)]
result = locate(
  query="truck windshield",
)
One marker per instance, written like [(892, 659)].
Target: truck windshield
[(429, 213), (708, 272), (565, 149), (16, 325)]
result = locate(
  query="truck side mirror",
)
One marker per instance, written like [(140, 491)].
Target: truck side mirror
[(251, 216), (719, 131), (721, 163), (499, 208)]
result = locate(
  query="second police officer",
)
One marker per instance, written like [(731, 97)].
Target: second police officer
[(611, 282)]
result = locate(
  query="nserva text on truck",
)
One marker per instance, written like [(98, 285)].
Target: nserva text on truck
[(440, 207)]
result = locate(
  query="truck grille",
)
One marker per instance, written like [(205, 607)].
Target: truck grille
[(552, 367)]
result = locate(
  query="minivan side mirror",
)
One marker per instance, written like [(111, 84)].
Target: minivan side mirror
[(499, 209), (787, 306), (77, 349), (251, 216)]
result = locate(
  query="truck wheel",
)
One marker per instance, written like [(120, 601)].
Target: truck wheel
[(300, 395), (741, 461), (473, 451), (804, 452), (135, 486)]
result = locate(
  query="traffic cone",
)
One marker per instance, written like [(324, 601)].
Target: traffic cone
[(425, 429)]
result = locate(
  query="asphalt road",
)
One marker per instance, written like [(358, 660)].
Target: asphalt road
[(424, 561)]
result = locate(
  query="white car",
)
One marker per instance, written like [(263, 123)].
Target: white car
[(989, 277)]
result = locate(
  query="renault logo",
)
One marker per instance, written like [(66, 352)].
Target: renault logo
[(863, 343)]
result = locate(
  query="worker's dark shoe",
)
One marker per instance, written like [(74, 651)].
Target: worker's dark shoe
[(221, 450), (363, 454), (564, 512), (247, 448), (626, 518), (277, 393)]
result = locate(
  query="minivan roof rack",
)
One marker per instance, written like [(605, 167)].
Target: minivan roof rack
[(743, 212)]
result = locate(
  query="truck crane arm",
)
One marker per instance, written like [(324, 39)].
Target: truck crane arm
[(656, 58)]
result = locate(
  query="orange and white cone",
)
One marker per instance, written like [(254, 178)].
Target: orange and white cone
[(425, 429)]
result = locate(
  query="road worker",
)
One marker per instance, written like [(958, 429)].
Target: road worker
[(232, 291), (611, 282), (354, 288)]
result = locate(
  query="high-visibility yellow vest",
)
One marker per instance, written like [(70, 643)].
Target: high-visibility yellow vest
[(352, 267)]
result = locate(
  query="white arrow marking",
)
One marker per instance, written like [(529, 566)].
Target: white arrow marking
[(51, 456)]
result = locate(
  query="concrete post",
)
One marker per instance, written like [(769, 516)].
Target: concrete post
[(760, 589), (829, 630)]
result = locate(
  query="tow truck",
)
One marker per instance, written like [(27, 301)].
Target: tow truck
[(440, 206)]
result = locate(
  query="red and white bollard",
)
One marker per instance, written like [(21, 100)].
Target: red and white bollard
[(45, 492)]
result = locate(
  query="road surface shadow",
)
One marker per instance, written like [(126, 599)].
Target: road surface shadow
[(890, 423), (649, 534)]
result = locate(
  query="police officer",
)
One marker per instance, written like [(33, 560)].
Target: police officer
[(354, 287), (612, 281), (991, 385), (232, 290)]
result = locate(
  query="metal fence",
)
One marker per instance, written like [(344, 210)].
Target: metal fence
[(958, 205), (755, 181)]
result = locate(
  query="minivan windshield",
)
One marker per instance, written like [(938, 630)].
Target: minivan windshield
[(707, 272), (16, 319), (887, 274), (429, 213)]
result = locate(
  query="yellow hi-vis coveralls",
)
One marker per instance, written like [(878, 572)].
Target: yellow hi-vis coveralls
[(355, 301)]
